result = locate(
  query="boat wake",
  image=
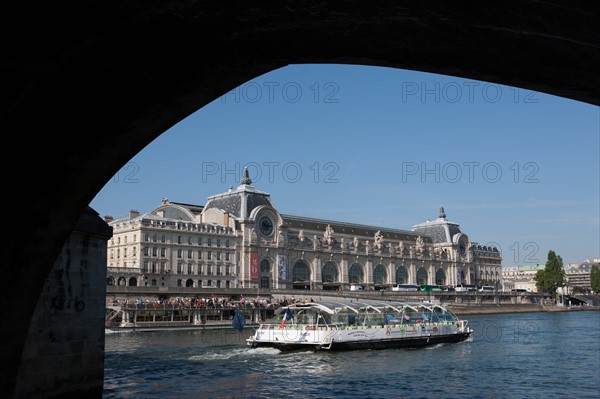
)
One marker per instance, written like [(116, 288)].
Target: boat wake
[(434, 346), (235, 353), (109, 331), (262, 351)]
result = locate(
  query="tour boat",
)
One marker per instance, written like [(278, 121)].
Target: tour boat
[(359, 325)]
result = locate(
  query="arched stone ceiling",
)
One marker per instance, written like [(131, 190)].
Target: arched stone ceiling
[(87, 85)]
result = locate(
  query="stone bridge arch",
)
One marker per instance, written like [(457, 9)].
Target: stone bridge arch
[(80, 101)]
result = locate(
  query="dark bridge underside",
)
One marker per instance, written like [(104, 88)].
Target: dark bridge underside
[(87, 85)]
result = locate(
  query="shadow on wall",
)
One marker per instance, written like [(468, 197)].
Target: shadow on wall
[(88, 96)]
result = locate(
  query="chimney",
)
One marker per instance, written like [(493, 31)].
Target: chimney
[(108, 218), (226, 218), (133, 214)]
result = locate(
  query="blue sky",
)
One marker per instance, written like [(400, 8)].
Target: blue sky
[(515, 168)]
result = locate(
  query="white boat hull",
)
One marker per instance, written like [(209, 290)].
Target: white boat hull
[(355, 337)]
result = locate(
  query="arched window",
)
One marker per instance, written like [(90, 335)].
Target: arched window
[(301, 272), (329, 273), (422, 276), (440, 277), (379, 275), (265, 266), (355, 274), (401, 275)]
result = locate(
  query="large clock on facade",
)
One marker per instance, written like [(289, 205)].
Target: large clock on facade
[(462, 248), (265, 225)]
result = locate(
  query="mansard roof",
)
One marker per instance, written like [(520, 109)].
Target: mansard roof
[(177, 211), (193, 208), (441, 230), (352, 229), (139, 218), (240, 202)]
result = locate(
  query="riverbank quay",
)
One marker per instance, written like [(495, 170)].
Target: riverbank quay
[(475, 309), (156, 315), (149, 309)]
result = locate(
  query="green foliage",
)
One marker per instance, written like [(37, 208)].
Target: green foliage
[(595, 278), (552, 277), (539, 281)]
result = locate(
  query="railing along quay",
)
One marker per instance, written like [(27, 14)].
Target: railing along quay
[(471, 297), (152, 316)]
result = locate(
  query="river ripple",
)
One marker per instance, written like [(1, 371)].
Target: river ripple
[(522, 355)]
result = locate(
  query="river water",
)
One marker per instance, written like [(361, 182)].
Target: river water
[(521, 355)]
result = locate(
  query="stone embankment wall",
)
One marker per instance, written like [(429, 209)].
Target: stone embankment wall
[(490, 309), (63, 355), (520, 308)]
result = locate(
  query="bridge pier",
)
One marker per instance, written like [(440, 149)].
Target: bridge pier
[(69, 320)]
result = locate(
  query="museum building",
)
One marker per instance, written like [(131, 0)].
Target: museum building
[(238, 239)]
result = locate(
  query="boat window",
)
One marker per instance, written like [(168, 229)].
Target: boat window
[(351, 319), (372, 319), (324, 318), (445, 315), (412, 316)]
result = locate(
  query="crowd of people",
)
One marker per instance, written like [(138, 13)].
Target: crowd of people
[(212, 302)]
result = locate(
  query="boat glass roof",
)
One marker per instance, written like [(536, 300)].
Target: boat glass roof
[(361, 306)]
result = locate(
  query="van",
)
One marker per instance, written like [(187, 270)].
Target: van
[(357, 287), (465, 287), (487, 288), (460, 288), (405, 287)]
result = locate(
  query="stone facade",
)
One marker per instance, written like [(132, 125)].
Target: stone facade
[(520, 277), (489, 265), (577, 277), (238, 239), (172, 247)]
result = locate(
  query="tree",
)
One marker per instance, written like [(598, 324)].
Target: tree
[(552, 277), (595, 278)]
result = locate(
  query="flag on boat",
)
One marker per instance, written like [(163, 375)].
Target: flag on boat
[(238, 321), (286, 316)]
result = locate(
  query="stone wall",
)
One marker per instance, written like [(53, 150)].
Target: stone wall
[(64, 350)]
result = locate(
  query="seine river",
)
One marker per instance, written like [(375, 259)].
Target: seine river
[(521, 355)]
